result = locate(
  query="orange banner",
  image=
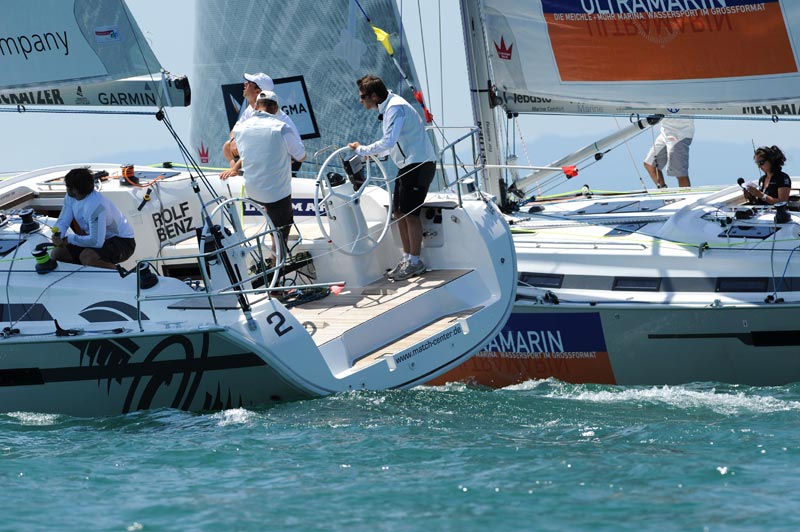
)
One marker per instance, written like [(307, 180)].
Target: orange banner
[(749, 39)]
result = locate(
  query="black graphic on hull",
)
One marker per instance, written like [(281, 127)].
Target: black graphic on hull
[(104, 311)]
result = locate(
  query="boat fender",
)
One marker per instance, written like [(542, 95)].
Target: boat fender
[(702, 249)]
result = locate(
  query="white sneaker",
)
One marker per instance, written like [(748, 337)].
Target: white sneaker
[(408, 270)]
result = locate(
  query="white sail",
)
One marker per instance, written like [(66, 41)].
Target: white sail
[(55, 42), (80, 52), (614, 56), (314, 55)]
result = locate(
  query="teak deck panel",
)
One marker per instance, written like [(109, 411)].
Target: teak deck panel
[(334, 315)]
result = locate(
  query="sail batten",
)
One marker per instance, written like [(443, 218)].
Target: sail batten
[(692, 57)]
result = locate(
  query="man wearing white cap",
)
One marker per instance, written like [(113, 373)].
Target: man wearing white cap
[(253, 85), (229, 148), (267, 146)]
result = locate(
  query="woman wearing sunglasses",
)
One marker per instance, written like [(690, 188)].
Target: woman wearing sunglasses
[(775, 184)]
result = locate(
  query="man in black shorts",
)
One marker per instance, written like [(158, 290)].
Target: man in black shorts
[(100, 234), (267, 146), (405, 139)]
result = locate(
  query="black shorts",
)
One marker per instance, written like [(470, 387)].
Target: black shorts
[(115, 250), (282, 215), (411, 187)]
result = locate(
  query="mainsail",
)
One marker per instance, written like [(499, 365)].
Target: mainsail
[(80, 52), (693, 57), (314, 54)]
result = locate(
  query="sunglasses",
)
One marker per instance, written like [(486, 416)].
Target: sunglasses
[(362, 96), (760, 162)]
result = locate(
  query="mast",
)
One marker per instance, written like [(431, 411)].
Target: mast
[(481, 94)]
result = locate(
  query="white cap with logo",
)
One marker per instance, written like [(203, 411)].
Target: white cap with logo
[(268, 95), (263, 81)]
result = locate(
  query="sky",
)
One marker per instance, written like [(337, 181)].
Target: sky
[(721, 151)]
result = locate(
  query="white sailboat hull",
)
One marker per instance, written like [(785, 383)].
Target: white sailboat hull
[(85, 341), (671, 299)]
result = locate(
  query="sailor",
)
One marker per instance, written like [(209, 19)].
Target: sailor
[(254, 84), (404, 137), (775, 185), (267, 146), (670, 152), (102, 236)]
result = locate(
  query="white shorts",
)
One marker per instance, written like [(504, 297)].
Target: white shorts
[(672, 159)]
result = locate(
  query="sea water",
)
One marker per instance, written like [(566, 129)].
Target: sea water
[(538, 456)]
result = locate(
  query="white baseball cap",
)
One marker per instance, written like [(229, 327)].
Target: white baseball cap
[(268, 95), (263, 81)]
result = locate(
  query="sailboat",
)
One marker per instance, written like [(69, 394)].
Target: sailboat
[(643, 288), (250, 325)]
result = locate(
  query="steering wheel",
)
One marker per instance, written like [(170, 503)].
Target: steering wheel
[(228, 215), (363, 234)]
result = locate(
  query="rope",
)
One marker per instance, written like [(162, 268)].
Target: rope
[(441, 69), (636, 168), (424, 53)]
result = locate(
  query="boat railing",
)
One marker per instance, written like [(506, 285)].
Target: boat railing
[(262, 280), (455, 174)]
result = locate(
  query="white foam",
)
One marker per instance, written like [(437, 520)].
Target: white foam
[(234, 416), (32, 418), (681, 397)]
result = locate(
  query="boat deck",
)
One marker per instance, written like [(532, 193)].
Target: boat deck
[(330, 317)]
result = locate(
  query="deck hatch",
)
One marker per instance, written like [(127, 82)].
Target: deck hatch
[(742, 284), (638, 284), (545, 280)]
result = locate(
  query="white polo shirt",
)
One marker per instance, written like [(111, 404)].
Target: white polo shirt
[(267, 145)]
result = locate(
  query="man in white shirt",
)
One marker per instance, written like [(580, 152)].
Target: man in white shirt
[(102, 238), (251, 92), (405, 139), (267, 146), (670, 152), (253, 85)]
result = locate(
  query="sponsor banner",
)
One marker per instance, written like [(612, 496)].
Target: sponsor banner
[(522, 103), (302, 207), (173, 221), (133, 92), (638, 40), (567, 346), (294, 101), (106, 34), (49, 45)]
